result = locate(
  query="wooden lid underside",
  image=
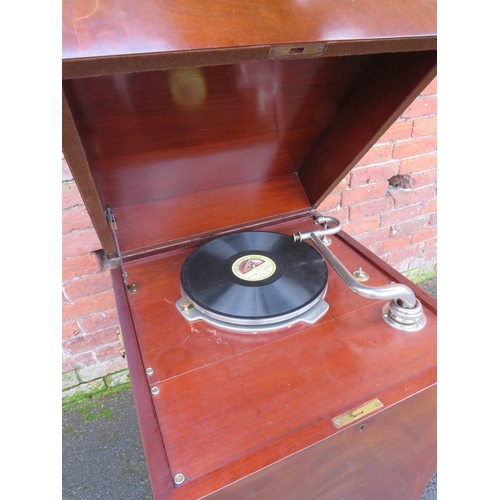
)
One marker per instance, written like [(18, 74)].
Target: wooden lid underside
[(189, 119)]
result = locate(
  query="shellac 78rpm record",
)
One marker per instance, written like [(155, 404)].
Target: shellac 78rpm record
[(254, 278)]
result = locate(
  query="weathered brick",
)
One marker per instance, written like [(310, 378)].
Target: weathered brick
[(119, 378), (74, 362), (69, 379), (405, 197), (415, 262), (421, 106), (397, 132), (362, 226), (429, 266), (88, 305), (406, 253), (76, 219), (400, 215), (424, 126), (369, 240), (70, 329), (426, 233), (421, 179), (342, 184), (79, 243), (409, 227), (90, 342), (414, 147), (399, 266), (430, 246), (342, 214), (418, 164), (88, 285), (370, 209), (433, 220), (377, 154), (111, 351), (372, 174), (364, 193), (331, 202), (429, 206), (391, 244), (70, 195), (80, 266), (99, 320), (102, 369), (431, 88)]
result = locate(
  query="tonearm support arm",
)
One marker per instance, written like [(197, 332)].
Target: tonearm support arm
[(404, 312)]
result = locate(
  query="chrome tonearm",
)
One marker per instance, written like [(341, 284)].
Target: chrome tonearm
[(404, 312)]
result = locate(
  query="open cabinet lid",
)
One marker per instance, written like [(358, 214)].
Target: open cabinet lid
[(189, 120)]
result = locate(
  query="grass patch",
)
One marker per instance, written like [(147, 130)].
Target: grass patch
[(419, 277), (87, 404)]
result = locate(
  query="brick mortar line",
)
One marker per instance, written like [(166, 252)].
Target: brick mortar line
[(78, 318), (81, 276), (403, 141), (85, 333), (80, 231), (73, 207), (396, 189), (89, 295), (92, 351), (410, 139), (392, 160)]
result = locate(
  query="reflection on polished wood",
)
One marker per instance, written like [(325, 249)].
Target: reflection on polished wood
[(156, 135), (179, 115), (93, 28), (230, 405)]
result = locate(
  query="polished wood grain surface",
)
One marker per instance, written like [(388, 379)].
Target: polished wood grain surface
[(194, 345), (154, 449), (156, 135), (106, 28), (226, 142), (149, 226), (370, 462), (229, 404)]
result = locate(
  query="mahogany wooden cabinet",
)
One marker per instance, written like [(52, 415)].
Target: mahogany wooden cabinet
[(184, 121)]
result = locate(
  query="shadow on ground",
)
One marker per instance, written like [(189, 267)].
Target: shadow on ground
[(102, 451)]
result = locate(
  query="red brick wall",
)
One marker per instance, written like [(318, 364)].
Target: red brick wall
[(397, 223)]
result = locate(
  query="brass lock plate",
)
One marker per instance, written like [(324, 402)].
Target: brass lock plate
[(357, 413), (308, 49)]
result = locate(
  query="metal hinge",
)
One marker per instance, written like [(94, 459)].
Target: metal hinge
[(120, 337), (110, 217)]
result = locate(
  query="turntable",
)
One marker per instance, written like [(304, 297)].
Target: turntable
[(271, 355), (254, 282)]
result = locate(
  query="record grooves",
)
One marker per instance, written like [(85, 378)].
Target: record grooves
[(254, 278)]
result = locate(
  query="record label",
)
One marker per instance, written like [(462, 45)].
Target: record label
[(254, 267), (254, 277)]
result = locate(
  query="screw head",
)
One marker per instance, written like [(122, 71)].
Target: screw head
[(149, 371), (186, 305), (338, 422), (179, 479), (155, 390)]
